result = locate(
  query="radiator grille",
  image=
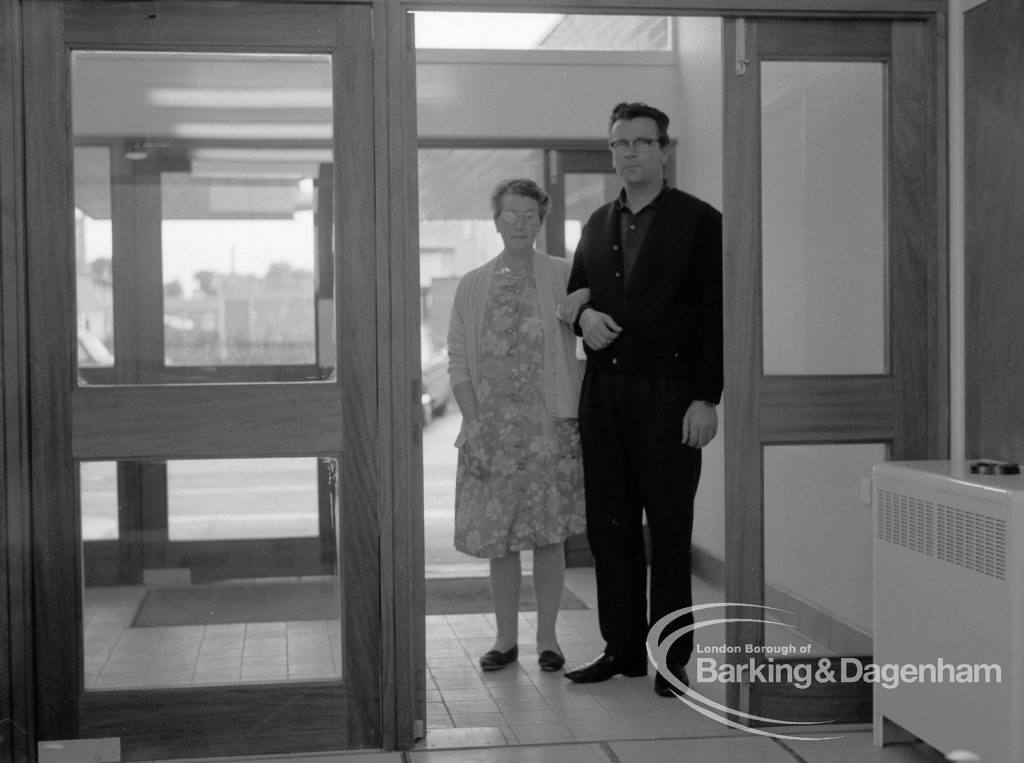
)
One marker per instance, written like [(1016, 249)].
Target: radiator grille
[(964, 538), (906, 521), (971, 540)]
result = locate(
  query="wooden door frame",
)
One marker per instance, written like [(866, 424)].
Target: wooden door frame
[(16, 556), (744, 563), (399, 475), (888, 407), (304, 709)]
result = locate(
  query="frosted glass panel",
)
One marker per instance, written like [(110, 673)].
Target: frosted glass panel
[(817, 528), (823, 217)]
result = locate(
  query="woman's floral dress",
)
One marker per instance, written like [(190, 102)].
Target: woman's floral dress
[(530, 493)]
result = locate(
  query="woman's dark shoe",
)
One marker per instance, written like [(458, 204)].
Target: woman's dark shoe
[(495, 660), (551, 661)]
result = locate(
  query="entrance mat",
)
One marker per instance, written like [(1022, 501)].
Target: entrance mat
[(260, 602), (227, 603), (468, 596)]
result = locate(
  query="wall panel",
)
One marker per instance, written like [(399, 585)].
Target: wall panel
[(994, 230)]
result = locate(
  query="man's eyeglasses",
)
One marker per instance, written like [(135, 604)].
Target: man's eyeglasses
[(640, 145), (512, 217)]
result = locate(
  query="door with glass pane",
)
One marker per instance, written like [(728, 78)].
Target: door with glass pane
[(834, 356), (203, 346)]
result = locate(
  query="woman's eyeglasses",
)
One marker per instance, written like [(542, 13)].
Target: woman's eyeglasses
[(512, 217)]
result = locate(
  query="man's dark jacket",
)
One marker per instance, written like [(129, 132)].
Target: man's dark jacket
[(671, 309)]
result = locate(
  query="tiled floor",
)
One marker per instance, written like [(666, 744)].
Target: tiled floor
[(118, 656), (517, 715), (522, 714)]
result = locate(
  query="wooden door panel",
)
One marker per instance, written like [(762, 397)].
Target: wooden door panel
[(143, 425), (207, 421), (901, 407)]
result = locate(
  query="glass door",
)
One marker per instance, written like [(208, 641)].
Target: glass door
[(832, 362), (201, 320), (580, 181)]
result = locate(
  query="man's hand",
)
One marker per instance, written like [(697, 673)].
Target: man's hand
[(599, 330), (700, 424)]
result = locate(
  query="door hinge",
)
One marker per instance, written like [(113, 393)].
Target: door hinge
[(741, 48)]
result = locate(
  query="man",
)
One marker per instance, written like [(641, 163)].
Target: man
[(652, 260)]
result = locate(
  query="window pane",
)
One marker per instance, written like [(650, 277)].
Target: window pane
[(232, 498), (823, 217), (540, 31), (585, 192), (236, 583), (818, 536), (98, 490), (204, 194), (93, 247), (457, 230)]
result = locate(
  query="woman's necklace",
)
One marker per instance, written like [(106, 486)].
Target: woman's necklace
[(505, 270)]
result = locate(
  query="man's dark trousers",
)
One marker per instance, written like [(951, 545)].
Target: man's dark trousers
[(634, 461)]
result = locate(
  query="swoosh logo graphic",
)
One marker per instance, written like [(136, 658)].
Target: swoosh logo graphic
[(657, 650)]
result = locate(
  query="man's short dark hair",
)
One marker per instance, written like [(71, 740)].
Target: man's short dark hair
[(633, 110)]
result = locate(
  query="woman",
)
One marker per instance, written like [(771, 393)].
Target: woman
[(516, 380)]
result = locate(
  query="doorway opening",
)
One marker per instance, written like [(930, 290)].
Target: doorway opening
[(537, 109)]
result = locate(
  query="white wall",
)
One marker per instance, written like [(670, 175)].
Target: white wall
[(697, 126), (957, 383), (538, 94)]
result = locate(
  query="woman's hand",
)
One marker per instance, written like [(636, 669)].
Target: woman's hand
[(569, 307), (477, 461)]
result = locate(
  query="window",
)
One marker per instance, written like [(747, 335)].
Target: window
[(540, 31)]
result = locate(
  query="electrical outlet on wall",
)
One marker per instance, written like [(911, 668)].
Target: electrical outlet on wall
[(865, 490)]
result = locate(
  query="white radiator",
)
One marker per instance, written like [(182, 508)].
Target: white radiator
[(949, 591)]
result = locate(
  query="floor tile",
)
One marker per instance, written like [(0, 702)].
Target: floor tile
[(477, 720), (529, 717), (590, 753), (858, 747), (490, 736), (747, 749)]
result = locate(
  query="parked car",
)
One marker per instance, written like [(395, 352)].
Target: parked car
[(436, 390), (92, 353)]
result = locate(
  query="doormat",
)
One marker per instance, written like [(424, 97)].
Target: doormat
[(259, 602), (229, 603), (468, 596)]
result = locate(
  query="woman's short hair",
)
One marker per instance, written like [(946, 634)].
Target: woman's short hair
[(637, 109), (520, 187)]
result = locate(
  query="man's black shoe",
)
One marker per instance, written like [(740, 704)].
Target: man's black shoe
[(606, 666), (663, 687)]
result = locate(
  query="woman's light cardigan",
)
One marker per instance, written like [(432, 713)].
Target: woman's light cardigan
[(562, 375)]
